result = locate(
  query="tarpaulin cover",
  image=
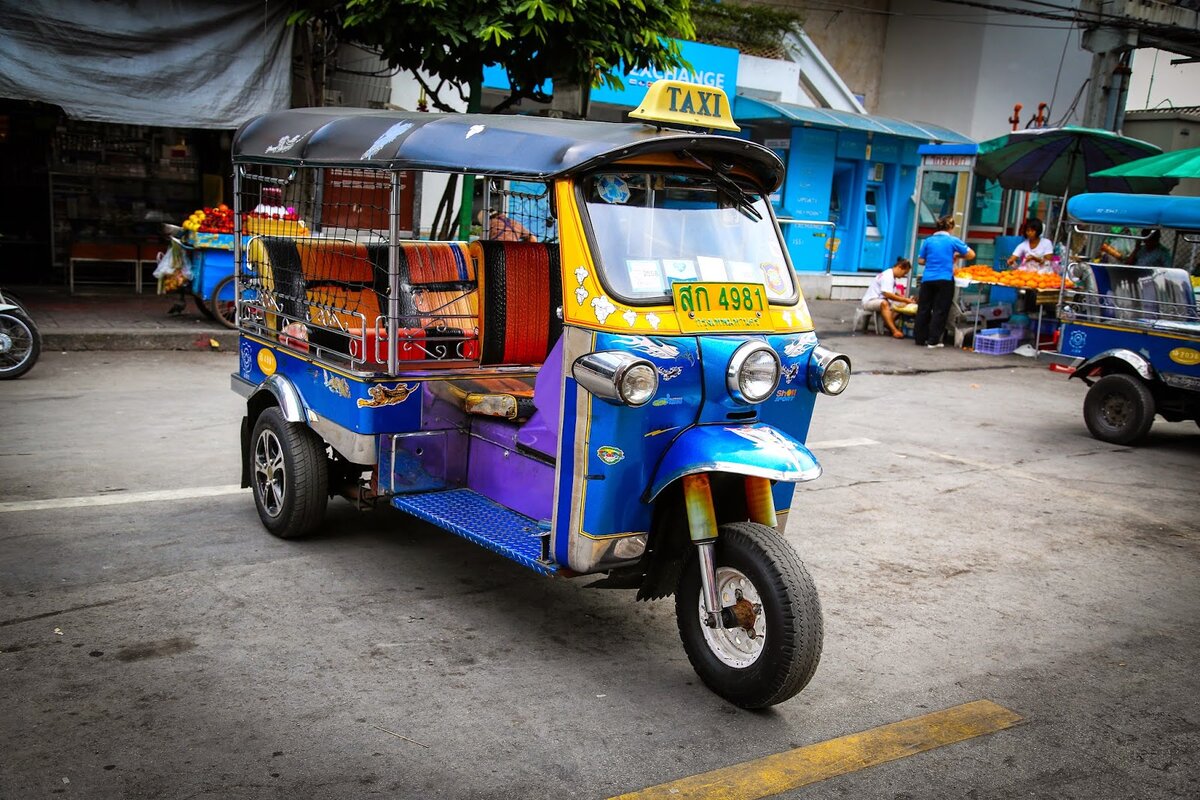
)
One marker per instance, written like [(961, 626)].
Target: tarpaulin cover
[(149, 62)]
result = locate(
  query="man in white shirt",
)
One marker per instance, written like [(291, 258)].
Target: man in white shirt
[(882, 295)]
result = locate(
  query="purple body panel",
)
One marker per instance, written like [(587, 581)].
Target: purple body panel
[(540, 432), (511, 479)]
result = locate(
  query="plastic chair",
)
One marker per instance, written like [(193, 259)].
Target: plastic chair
[(863, 318)]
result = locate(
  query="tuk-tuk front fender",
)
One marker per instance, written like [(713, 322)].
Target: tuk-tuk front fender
[(758, 450), (1127, 360)]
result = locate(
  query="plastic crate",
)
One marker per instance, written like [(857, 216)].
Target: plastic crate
[(996, 341)]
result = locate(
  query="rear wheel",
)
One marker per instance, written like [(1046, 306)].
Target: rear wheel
[(20, 344), (774, 652), (289, 475), (224, 311), (1119, 408)]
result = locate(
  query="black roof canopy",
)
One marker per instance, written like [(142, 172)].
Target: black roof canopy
[(510, 146)]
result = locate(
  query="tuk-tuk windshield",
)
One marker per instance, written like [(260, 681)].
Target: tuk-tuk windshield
[(653, 229)]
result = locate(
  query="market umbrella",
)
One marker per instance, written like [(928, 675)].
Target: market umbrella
[(1061, 161), (1176, 164)]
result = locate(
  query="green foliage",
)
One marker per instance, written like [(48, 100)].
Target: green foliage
[(754, 29), (575, 41)]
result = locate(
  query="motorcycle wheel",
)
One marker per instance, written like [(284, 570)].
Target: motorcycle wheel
[(224, 311), (773, 657), (20, 344), (289, 472)]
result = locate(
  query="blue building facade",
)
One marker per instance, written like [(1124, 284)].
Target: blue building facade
[(846, 204)]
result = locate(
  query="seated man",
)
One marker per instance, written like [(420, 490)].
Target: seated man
[(883, 297)]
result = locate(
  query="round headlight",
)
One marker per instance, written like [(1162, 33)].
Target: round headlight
[(753, 372), (638, 384), (836, 377)]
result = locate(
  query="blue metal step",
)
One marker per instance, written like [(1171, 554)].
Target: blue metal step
[(476, 518)]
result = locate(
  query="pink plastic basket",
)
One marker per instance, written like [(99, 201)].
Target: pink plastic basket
[(996, 341)]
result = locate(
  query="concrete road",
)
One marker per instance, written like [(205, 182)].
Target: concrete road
[(983, 547)]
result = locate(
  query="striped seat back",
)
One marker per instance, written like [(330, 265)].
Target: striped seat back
[(520, 287)]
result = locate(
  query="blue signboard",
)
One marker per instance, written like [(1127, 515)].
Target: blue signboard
[(711, 66)]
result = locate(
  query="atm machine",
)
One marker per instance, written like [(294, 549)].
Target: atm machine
[(875, 213)]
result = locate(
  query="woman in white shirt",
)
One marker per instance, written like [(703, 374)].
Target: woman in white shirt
[(1035, 251)]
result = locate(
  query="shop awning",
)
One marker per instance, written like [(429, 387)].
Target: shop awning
[(749, 109), (146, 62)]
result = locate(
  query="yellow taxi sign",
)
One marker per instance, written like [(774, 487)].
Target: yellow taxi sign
[(683, 103)]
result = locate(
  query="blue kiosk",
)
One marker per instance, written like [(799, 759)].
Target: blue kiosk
[(846, 204)]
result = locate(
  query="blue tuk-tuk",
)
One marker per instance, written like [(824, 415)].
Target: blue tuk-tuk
[(1129, 323), (617, 383)]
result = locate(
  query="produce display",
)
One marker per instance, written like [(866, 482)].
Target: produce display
[(210, 220), (1016, 278)]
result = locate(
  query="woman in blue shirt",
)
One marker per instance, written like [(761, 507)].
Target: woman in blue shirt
[(938, 254)]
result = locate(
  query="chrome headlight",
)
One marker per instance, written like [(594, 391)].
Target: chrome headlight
[(828, 372), (753, 373), (619, 378)]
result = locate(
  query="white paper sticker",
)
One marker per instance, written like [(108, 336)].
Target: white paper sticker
[(644, 275), (711, 269)]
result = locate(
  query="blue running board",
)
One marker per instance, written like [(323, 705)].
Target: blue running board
[(476, 518)]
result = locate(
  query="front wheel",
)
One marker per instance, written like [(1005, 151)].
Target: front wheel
[(289, 475), (775, 651), (1119, 408), (20, 344)]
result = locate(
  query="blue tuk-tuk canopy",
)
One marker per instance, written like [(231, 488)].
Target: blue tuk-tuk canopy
[(535, 148), (753, 108), (1136, 210)]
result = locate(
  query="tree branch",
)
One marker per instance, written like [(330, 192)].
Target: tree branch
[(432, 94)]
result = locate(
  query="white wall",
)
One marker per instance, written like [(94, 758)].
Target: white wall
[(965, 68), (770, 79), (405, 93), (1155, 83)]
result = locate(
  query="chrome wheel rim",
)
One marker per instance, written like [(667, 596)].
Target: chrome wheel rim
[(270, 474), (16, 343), (736, 647)]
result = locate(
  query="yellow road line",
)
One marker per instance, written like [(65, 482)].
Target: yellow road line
[(783, 772)]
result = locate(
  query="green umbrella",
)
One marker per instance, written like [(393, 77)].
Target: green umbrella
[(1061, 161), (1176, 164)]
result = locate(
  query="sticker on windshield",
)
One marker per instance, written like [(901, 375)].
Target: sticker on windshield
[(644, 275), (612, 189), (774, 275), (680, 269), (711, 269)]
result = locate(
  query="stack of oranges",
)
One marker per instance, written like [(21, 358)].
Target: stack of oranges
[(1016, 278)]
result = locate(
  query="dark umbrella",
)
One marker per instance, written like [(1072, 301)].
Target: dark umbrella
[(1060, 161)]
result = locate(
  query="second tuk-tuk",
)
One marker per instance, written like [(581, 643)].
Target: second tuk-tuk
[(628, 395), (1130, 325)]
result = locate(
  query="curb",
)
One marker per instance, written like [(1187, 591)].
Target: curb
[(140, 340)]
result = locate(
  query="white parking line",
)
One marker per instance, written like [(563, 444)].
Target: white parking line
[(119, 499), (836, 444)]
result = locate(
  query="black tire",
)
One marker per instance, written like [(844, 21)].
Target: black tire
[(1119, 409), (289, 474), (790, 610), (20, 344), (224, 311), (202, 307)]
